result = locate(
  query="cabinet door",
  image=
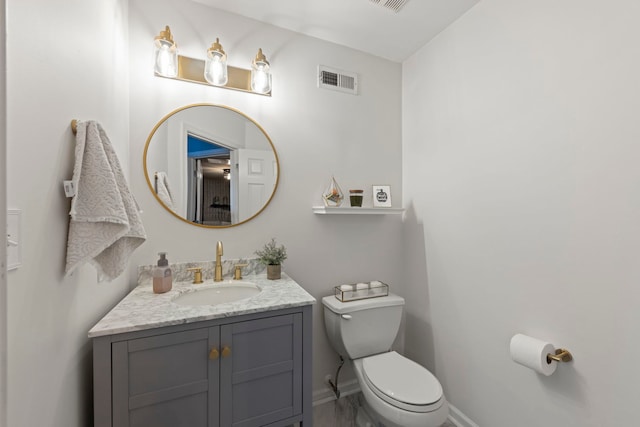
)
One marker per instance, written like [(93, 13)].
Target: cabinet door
[(168, 380), (261, 372)]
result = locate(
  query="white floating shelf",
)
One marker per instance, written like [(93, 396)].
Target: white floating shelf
[(324, 210)]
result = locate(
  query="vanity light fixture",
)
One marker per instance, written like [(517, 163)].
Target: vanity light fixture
[(165, 54), (213, 71), (226, 174), (215, 66)]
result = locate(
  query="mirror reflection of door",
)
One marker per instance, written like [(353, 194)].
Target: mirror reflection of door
[(257, 171), (209, 182)]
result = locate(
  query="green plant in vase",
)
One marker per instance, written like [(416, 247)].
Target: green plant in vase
[(272, 256)]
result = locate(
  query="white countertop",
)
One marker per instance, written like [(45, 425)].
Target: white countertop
[(142, 309)]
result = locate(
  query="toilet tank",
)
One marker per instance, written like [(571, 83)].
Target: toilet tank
[(363, 327)]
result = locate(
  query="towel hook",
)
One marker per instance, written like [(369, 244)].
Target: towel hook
[(74, 126)]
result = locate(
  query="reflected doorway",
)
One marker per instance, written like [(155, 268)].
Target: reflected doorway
[(211, 182)]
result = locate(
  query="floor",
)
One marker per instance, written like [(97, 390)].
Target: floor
[(341, 413)]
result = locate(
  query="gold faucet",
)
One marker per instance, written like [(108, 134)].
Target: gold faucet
[(218, 271)]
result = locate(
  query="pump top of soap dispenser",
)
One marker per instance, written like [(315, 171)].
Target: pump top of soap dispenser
[(163, 261)]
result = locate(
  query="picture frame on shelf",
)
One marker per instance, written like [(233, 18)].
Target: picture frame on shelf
[(381, 196)]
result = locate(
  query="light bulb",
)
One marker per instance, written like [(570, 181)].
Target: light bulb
[(215, 67), (260, 74), (165, 54)]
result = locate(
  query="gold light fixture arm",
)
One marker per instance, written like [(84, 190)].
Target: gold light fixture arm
[(192, 70), (165, 35), (260, 57)]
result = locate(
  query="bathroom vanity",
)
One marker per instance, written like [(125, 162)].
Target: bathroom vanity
[(243, 363)]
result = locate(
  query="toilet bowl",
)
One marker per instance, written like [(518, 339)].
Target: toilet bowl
[(398, 391)]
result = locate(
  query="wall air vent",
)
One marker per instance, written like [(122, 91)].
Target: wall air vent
[(394, 5), (343, 81)]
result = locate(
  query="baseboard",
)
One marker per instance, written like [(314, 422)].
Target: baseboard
[(326, 395), (459, 419), (456, 417)]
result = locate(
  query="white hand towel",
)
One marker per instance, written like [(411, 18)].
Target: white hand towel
[(105, 226), (163, 190)]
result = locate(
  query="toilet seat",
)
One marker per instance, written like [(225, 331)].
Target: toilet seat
[(402, 382)]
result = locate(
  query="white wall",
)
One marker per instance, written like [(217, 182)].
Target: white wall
[(3, 219), (85, 75), (66, 59), (316, 133), (520, 171)]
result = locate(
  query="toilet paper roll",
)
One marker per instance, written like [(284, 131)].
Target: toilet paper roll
[(532, 353)]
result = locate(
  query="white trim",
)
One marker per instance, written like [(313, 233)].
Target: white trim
[(3, 216), (348, 210), (459, 419), (326, 394), (205, 134), (456, 417)]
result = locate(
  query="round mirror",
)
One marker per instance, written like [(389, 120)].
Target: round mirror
[(211, 165)]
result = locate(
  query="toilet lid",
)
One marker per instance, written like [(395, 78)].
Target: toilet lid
[(397, 379)]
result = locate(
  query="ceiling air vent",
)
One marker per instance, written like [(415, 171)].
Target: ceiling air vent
[(394, 5), (343, 81)]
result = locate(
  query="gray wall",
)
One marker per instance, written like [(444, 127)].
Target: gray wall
[(3, 219), (65, 60), (520, 171), (316, 133)]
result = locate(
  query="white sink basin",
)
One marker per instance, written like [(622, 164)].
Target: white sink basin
[(219, 294)]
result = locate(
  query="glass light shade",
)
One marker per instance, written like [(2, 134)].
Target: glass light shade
[(215, 66), (260, 74), (165, 54)]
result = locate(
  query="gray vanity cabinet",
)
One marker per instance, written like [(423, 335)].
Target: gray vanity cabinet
[(246, 371)]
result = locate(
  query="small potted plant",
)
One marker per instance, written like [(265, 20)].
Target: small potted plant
[(272, 256)]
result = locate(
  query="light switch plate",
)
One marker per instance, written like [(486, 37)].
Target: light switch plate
[(14, 257)]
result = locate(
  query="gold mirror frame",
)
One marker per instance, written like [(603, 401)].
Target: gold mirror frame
[(150, 184)]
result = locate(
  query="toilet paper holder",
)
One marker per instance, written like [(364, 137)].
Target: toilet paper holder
[(561, 355)]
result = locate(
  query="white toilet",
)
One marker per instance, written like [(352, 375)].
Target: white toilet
[(398, 391)]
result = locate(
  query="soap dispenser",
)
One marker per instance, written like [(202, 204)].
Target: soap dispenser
[(162, 275)]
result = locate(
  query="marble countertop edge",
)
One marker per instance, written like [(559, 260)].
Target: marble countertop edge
[(141, 309)]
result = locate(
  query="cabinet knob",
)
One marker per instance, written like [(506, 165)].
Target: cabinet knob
[(213, 354), (226, 351)]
